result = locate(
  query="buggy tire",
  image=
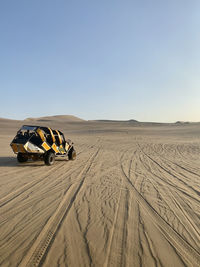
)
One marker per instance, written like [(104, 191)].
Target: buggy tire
[(72, 154), (21, 157), (49, 158)]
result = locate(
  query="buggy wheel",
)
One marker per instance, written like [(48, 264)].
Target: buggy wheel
[(49, 158), (21, 157), (72, 154)]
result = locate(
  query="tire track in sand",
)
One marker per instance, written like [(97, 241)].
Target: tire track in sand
[(38, 252), (190, 254), (19, 208), (155, 184), (171, 171), (172, 174), (178, 215), (111, 239), (11, 196)]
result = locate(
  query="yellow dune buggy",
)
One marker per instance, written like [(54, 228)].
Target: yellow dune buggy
[(41, 143)]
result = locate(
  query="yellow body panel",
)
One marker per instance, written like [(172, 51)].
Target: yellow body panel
[(14, 147), (55, 148), (21, 148), (46, 146)]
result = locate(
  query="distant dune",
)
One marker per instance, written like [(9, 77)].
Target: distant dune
[(132, 121), (56, 118), (7, 120), (182, 122), (71, 118)]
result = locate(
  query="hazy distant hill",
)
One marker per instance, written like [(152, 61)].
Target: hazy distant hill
[(182, 122), (71, 118), (129, 121), (56, 118), (7, 120)]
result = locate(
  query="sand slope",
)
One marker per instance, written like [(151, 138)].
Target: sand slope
[(131, 198), (56, 118)]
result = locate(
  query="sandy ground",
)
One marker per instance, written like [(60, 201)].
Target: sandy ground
[(131, 198)]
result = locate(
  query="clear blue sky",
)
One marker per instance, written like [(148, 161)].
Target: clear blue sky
[(128, 59)]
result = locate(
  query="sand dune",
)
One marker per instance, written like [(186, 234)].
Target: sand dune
[(131, 198), (56, 118)]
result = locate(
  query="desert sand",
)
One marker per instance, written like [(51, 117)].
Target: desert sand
[(131, 198)]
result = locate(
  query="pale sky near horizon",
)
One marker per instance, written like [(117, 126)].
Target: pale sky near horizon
[(130, 59)]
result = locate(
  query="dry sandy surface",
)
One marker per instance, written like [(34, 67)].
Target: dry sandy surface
[(131, 198)]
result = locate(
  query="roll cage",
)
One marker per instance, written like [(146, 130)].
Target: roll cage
[(36, 134)]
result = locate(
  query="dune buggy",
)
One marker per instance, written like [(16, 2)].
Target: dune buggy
[(41, 143)]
